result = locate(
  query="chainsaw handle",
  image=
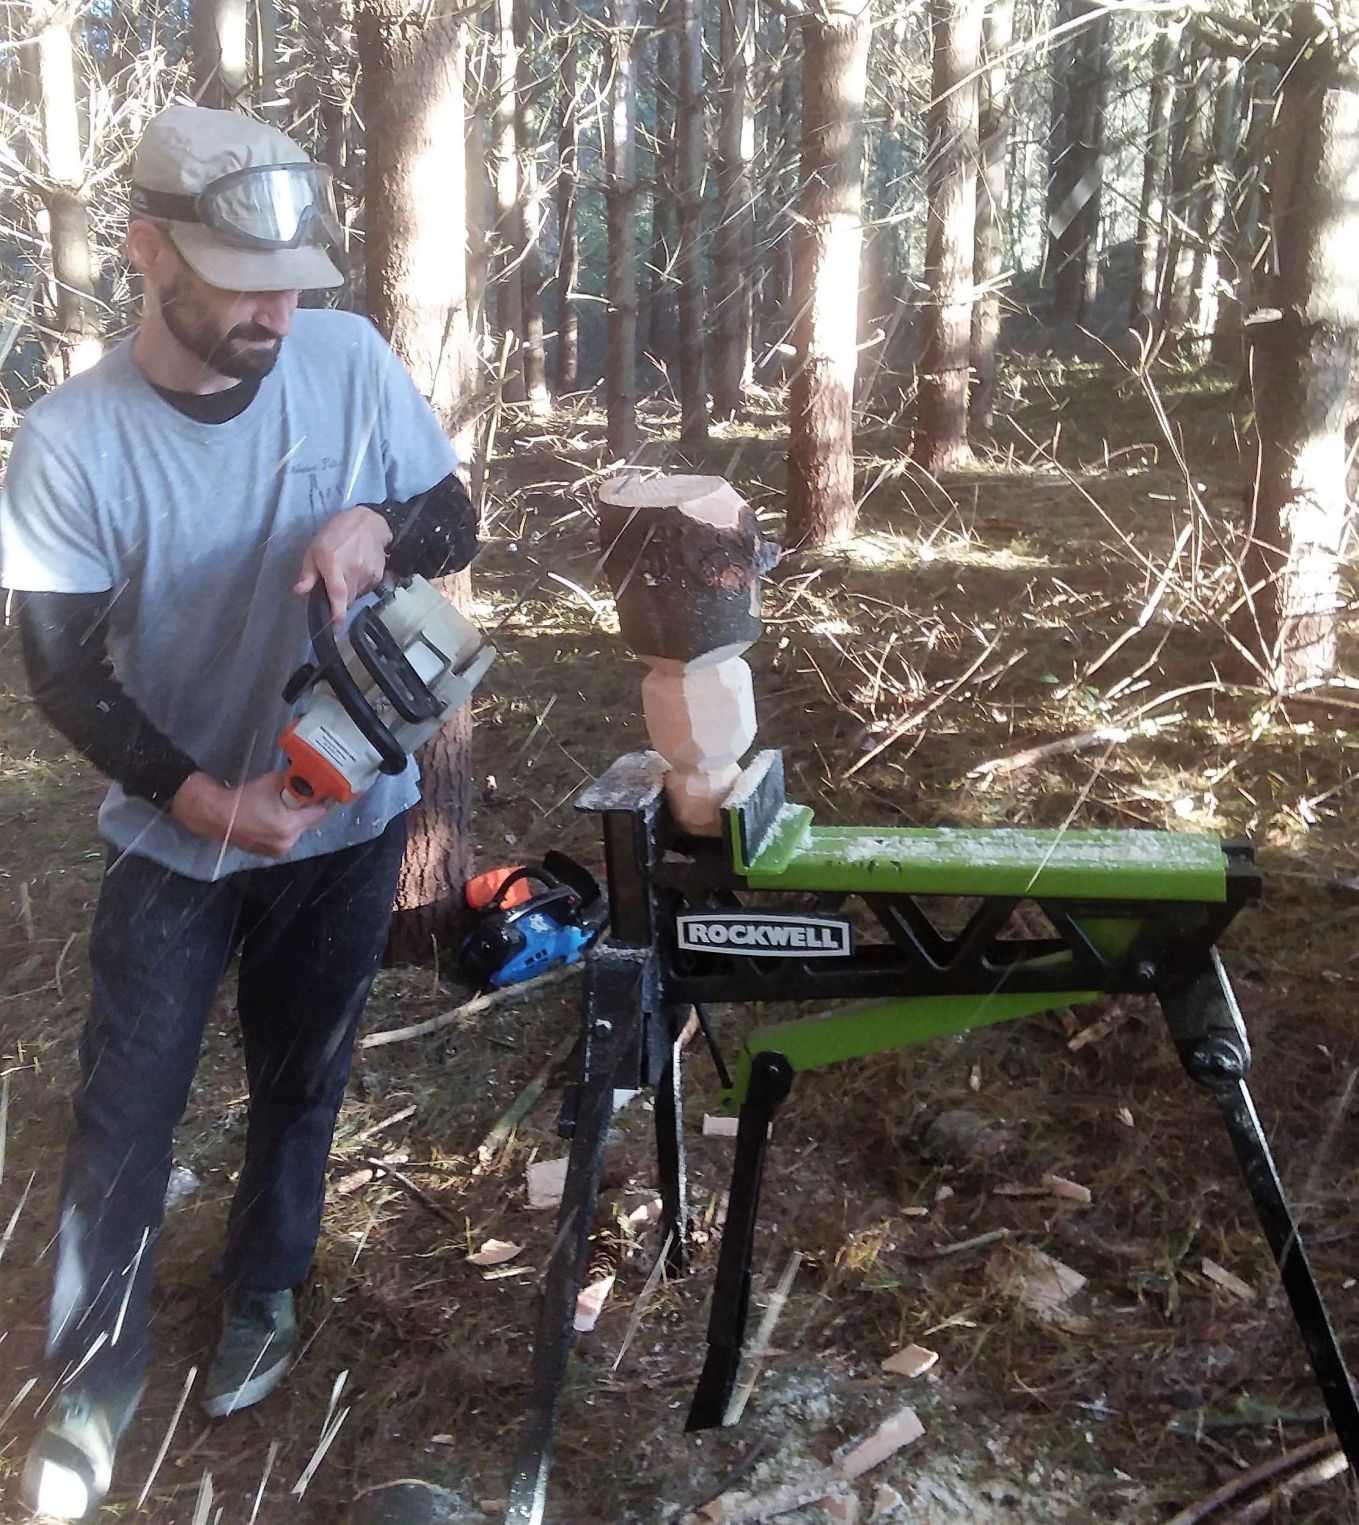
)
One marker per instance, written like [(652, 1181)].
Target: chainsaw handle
[(330, 667), (496, 902), (540, 902)]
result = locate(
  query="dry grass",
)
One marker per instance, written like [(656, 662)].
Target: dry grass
[(967, 623)]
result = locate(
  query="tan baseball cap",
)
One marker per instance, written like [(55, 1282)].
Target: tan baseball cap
[(185, 149)]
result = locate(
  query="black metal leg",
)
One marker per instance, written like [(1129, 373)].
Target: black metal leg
[(771, 1077), (1210, 1035), (670, 1161), (611, 1019)]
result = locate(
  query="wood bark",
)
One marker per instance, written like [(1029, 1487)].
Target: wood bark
[(413, 109), (783, 310), (734, 236), (689, 138), (662, 326), (1074, 220), (568, 181), (940, 442), (1244, 237), (829, 233), (218, 44), (266, 62), (621, 200), (61, 173), (528, 205), (1304, 359), (1187, 187), (994, 124), (1151, 206), (476, 163), (504, 270), (1219, 177), (1060, 58)]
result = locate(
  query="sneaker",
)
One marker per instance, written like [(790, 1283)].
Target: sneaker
[(259, 1340), (70, 1465)]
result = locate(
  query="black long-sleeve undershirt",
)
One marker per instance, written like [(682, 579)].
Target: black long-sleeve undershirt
[(63, 640)]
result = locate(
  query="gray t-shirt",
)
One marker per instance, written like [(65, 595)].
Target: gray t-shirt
[(199, 531)]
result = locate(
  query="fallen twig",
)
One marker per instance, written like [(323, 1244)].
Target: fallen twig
[(960, 1246), (472, 1008), (1062, 747), (1320, 1471), (1300, 1457), (526, 1100)]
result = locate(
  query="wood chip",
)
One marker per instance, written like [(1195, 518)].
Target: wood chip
[(842, 1508), (886, 1500), (1044, 1285), (647, 1213), (495, 1252), (1230, 1283), (717, 1125), (1125, 1117), (1070, 1191), (913, 1361), (943, 1194), (901, 1429), (547, 1182), (590, 1303), (1018, 1189)]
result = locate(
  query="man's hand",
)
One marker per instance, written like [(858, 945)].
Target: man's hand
[(253, 817), (349, 555)]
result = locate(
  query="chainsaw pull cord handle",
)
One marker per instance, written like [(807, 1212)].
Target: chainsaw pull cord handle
[(330, 667)]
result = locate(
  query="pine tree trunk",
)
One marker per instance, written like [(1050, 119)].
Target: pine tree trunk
[(1220, 176), (504, 271), (528, 207), (568, 180), (1186, 194), (689, 194), (476, 169), (1244, 238), (1151, 207), (1060, 61), (78, 343), (221, 57), (734, 237), (413, 108), (994, 130), (785, 236), (621, 199), (662, 326), (1304, 360), (272, 108), (940, 442), (829, 232), (1074, 221)]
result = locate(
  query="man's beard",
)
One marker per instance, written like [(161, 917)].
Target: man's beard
[(245, 351)]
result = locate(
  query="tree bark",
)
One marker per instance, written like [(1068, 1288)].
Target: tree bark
[(1244, 237), (1186, 193), (504, 271), (782, 300), (266, 62), (734, 237), (829, 233), (528, 206), (1060, 59), (689, 194), (1220, 177), (74, 270), (621, 198), (568, 181), (940, 442), (1151, 207), (413, 109), (994, 130), (218, 43), (1074, 221), (1304, 360), (476, 169), (662, 325)]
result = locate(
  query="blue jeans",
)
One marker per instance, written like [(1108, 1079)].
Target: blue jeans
[(310, 937)]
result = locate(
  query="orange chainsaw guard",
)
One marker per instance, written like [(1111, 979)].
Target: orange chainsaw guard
[(481, 890), (312, 779)]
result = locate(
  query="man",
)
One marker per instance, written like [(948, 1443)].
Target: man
[(163, 519)]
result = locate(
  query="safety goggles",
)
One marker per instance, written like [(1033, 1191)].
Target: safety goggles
[(266, 206)]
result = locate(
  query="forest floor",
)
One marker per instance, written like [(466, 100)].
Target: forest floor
[(1068, 586)]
